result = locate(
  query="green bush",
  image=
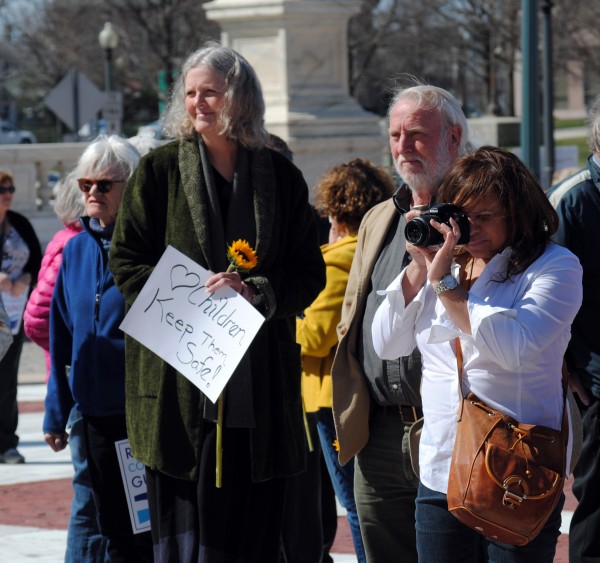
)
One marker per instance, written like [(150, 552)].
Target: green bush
[(566, 123)]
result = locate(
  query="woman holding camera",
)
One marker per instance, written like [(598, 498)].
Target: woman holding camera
[(509, 295)]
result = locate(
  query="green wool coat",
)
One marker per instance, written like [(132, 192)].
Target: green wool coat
[(166, 203)]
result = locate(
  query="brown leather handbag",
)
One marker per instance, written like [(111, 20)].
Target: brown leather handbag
[(505, 477)]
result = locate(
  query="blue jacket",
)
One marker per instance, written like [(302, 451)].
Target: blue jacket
[(85, 315), (577, 202)]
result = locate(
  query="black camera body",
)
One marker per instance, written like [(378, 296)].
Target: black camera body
[(418, 231)]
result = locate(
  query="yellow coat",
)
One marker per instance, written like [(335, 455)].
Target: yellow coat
[(316, 332)]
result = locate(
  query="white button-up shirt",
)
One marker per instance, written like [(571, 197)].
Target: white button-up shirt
[(512, 360)]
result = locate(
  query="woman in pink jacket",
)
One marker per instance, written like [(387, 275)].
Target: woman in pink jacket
[(68, 207)]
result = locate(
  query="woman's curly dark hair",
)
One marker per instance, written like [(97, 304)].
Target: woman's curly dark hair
[(347, 191), (530, 219)]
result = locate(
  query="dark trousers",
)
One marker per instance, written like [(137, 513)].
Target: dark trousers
[(100, 435), (195, 522), (584, 536), (310, 514), (9, 412), (385, 490)]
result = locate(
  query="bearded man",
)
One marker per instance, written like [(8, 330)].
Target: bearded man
[(374, 401)]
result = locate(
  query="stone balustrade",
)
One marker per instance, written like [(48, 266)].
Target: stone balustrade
[(30, 165)]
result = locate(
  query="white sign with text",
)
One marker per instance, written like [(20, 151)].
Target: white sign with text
[(203, 336), (133, 473)]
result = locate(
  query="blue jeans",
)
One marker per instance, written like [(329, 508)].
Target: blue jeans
[(341, 477), (85, 544), (444, 539)]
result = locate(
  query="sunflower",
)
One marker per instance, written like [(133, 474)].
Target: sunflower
[(241, 256)]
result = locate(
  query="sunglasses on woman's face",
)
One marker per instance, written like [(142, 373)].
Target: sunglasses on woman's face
[(7, 189), (104, 186)]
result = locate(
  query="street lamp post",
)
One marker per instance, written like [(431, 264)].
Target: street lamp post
[(108, 40), (112, 111), (530, 144), (548, 96)]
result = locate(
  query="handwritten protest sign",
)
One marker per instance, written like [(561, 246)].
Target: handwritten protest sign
[(202, 335)]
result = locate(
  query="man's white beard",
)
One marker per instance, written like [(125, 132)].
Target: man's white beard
[(433, 172)]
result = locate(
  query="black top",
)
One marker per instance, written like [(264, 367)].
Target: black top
[(395, 382)]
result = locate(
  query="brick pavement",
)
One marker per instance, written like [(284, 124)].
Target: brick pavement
[(44, 503)]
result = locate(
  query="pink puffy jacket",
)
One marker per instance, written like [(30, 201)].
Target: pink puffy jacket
[(37, 311)]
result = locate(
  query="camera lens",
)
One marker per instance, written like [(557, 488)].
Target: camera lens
[(414, 232), (419, 232)]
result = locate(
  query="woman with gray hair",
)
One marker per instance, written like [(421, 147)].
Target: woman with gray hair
[(215, 184), (87, 344), (85, 543)]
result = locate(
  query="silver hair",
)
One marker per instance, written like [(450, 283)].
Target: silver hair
[(105, 153), (594, 125), (144, 143), (428, 97), (242, 114), (68, 202)]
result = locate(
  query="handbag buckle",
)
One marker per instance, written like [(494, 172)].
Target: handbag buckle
[(515, 492)]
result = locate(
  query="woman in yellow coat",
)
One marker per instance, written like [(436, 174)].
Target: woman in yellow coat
[(344, 194)]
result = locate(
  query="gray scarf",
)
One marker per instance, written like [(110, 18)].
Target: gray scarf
[(240, 224)]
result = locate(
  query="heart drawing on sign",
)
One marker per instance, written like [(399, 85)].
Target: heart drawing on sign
[(182, 277)]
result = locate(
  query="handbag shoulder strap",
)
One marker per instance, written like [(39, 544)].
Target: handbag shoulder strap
[(565, 383), (459, 367)]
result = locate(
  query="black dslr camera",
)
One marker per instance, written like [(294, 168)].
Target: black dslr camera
[(418, 231)]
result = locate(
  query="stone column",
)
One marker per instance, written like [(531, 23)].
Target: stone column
[(299, 50)]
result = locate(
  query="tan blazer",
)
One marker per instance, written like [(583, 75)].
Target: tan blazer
[(351, 401)]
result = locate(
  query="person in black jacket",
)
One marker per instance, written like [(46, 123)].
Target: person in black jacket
[(577, 202), (19, 265)]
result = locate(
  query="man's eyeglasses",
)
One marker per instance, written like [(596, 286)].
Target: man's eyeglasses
[(7, 189), (104, 186)]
